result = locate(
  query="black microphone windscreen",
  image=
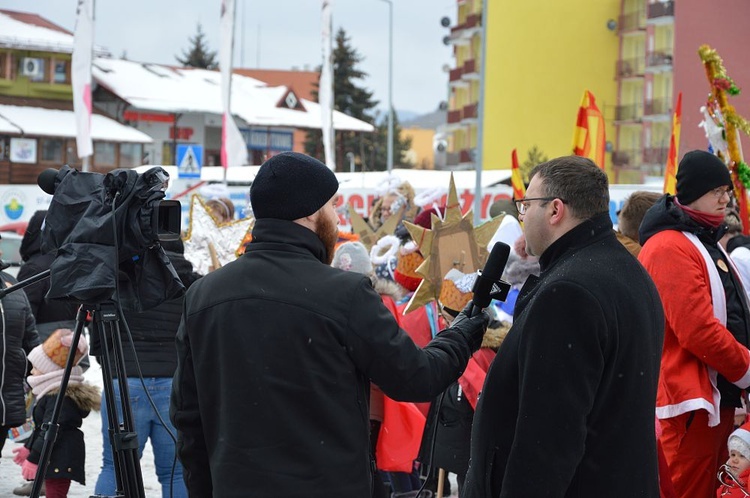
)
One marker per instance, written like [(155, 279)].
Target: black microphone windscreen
[(46, 180), (497, 261)]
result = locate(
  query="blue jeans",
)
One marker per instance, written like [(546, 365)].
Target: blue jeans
[(147, 425)]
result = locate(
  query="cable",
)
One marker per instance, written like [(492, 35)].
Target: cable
[(132, 346)]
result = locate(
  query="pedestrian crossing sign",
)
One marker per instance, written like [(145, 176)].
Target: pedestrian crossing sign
[(189, 160)]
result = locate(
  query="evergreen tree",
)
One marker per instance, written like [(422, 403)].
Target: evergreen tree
[(535, 157), (198, 54), (356, 101)]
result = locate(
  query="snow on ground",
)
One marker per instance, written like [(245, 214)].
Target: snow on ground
[(10, 473)]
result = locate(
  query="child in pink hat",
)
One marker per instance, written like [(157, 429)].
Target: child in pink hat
[(68, 454)]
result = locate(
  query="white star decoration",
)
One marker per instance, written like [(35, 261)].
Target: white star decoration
[(204, 230)]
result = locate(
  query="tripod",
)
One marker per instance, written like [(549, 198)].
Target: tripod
[(123, 438)]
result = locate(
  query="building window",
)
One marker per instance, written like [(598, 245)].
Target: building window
[(71, 153), (60, 73), (104, 154), (130, 155), (51, 150)]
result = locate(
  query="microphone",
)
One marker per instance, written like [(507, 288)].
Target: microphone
[(46, 180), (488, 285)]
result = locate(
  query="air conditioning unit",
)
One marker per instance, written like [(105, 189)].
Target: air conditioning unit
[(32, 68)]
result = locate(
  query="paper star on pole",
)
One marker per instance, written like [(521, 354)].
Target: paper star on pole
[(364, 231), (452, 243), (206, 235)]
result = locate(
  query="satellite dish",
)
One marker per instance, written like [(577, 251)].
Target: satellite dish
[(446, 40), (445, 22)]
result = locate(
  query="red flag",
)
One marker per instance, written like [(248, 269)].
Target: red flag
[(588, 139), (516, 178), (400, 436)]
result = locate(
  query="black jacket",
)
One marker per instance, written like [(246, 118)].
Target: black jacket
[(19, 337), (154, 330), (68, 457), (275, 353), (568, 404), (35, 262)]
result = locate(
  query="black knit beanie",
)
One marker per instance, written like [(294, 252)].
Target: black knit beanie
[(700, 172), (290, 186)]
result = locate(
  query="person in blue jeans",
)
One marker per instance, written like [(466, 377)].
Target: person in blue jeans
[(153, 334)]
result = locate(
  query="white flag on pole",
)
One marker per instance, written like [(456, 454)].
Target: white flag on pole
[(325, 88), (83, 48), (233, 147)]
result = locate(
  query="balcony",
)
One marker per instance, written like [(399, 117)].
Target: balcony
[(472, 21), (657, 107), (455, 74), (630, 68), (633, 21), (454, 116), (655, 155), (658, 10), (626, 158), (658, 58), (628, 113), (470, 68), (470, 112)]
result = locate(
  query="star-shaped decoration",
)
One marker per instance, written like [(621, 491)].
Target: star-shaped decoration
[(364, 231), (209, 242), (452, 243)]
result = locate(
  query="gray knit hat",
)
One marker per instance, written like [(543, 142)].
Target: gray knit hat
[(352, 256)]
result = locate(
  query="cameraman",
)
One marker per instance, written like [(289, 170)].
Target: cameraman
[(153, 334), (276, 351)]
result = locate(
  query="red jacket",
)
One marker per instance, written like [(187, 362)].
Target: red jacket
[(732, 491)]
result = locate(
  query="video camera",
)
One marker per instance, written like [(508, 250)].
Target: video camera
[(98, 224)]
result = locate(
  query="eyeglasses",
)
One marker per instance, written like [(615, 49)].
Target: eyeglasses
[(720, 191), (521, 205)]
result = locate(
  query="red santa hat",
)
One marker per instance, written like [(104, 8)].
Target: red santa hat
[(739, 440)]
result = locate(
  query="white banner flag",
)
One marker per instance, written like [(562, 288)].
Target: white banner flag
[(233, 147), (325, 88), (83, 48)]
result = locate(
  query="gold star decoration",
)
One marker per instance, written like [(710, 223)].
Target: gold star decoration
[(452, 243), (364, 231), (209, 242)]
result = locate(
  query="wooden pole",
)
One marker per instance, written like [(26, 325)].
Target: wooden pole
[(440, 483)]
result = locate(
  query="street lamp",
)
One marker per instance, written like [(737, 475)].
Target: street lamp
[(390, 84)]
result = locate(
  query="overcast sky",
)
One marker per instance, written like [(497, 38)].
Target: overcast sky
[(282, 34)]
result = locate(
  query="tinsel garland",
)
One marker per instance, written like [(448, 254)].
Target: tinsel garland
[(743, 173), (738, 121)]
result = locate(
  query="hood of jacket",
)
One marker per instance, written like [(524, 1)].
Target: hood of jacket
[(495, 335), (86, 396), (666, 215), (32, 240)]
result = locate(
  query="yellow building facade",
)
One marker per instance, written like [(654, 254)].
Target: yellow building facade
[(541, 57)]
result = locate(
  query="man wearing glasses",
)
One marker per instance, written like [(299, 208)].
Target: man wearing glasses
[(706, 363), (567, 407)]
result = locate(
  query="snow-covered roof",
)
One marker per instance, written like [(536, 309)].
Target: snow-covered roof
[(154, 87), (37, 121), (20, 30)]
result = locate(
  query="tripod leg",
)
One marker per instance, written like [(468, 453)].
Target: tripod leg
[(124, 438), (52, 427)]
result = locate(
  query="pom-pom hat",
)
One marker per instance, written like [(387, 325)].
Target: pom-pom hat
[(53, 353)]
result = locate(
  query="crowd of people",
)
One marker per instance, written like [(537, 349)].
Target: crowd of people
[(618, 364)]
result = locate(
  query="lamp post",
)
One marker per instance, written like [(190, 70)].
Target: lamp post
[(390, 84)]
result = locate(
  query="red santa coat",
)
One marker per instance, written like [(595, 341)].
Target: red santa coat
[(697, 345)]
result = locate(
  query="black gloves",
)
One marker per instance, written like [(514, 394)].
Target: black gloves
[(472, 324)]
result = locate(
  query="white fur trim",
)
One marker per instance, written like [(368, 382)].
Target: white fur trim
[(740, 441), (690, 405), (385, 249), (430, 196)]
